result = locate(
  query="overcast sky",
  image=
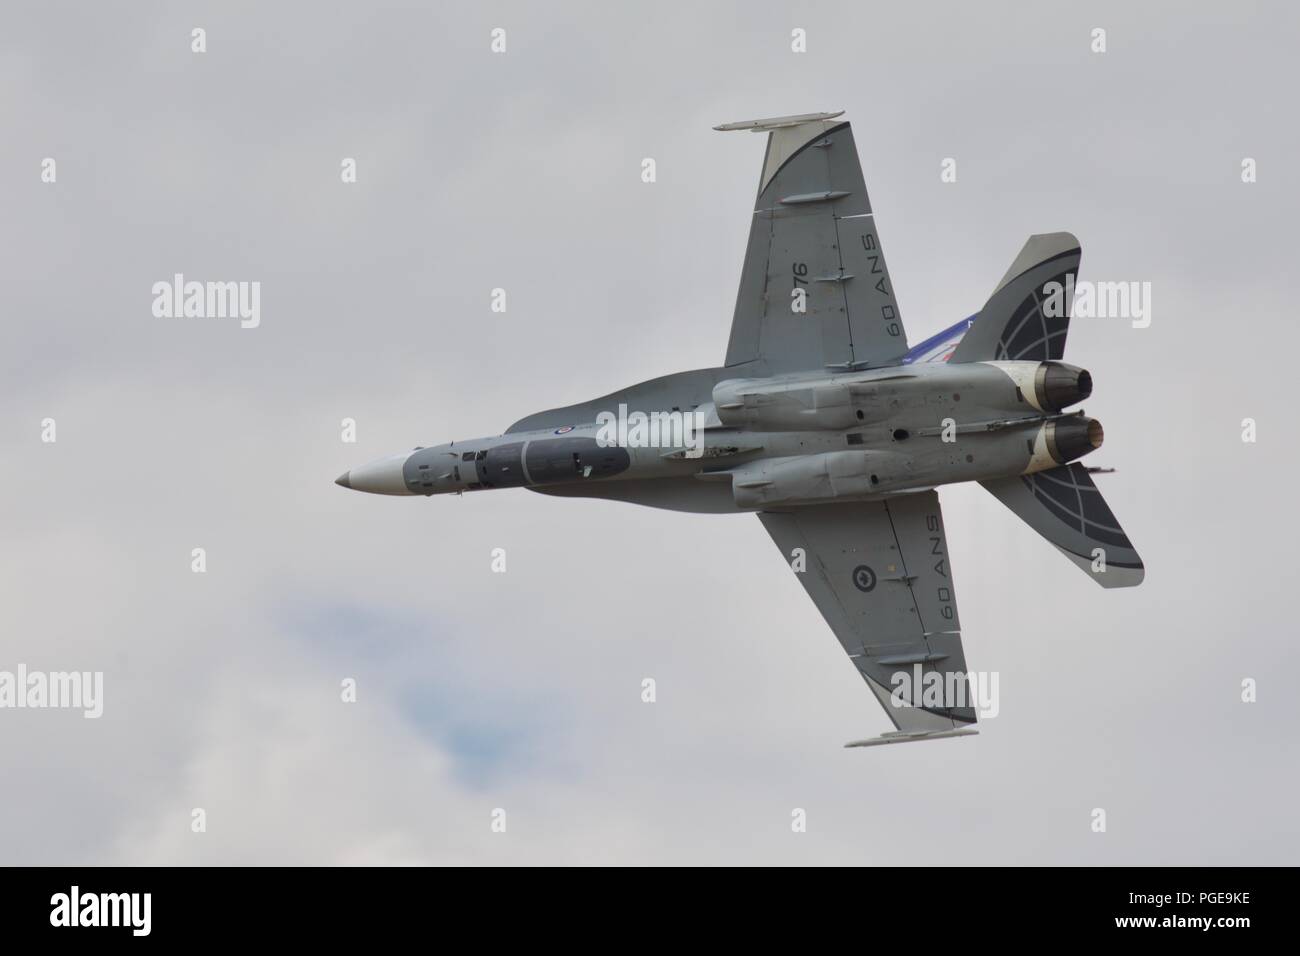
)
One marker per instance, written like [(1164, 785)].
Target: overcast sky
[(522, 690)]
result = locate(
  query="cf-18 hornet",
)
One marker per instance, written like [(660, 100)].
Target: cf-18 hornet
[(826, 424)]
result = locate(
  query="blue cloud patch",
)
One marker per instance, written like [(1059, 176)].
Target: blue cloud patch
[(431, 666)]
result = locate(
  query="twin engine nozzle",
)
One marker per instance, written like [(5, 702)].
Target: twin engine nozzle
[(1057, 386), (1072, 437)]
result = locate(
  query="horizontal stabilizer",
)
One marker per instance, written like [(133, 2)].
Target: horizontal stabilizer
[(1065, 507)]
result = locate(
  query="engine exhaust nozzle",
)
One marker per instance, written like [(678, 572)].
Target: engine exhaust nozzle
[(1058, 386), (1071, 438)]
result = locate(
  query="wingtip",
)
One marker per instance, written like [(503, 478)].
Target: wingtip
[(776, 122), (907, 737)]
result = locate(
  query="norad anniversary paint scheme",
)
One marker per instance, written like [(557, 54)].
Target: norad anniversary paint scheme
[(823, 422)]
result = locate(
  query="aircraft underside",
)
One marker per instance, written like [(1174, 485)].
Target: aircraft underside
[(826, 424)]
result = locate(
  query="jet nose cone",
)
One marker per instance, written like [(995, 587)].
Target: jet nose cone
[(386, 476)]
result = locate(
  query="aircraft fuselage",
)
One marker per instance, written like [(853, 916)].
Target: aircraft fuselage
[(794, 439)]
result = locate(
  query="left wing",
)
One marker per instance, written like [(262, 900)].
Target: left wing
[(878, 571), (813, 244)]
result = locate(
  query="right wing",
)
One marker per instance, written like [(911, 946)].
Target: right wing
[(878, 571), (813, 230)]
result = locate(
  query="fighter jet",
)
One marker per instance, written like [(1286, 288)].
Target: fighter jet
[(826, 424)]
